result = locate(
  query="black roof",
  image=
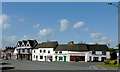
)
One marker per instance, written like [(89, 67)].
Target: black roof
[(81, 47), (72, 47), (95, 47), (51, 44), (25, 42), (31, 42)]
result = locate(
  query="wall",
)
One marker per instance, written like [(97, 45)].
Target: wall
[(37, 53)]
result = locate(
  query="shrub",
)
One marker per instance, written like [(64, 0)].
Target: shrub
[(112, 62), (107, 61)]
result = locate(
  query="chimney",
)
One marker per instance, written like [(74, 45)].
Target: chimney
[(71, 43), (48, 41)]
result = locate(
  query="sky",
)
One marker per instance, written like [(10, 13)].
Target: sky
[(88, 22)]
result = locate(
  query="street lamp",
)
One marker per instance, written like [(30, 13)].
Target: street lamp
[(118, 26)]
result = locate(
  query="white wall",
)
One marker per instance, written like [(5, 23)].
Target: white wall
[(64, 53), (37, 53), (99, 55)]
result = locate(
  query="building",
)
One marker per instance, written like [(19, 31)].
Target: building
[(98, 52), (71, 52), (8, 52), (44, 51), (81, 52), (24, 48)]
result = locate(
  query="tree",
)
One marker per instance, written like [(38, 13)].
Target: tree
[(111, 49)]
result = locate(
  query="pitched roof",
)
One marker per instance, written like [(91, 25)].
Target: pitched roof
[(25, 42), (51, 44), (73, 47), (20, 43), (97, 47), (31, 42)]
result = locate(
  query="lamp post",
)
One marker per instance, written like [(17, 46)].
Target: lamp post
[(118, 26)]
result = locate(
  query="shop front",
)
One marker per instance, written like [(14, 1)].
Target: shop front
[(77, 57)]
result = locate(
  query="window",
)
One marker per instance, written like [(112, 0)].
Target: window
[(56, 52), (60, 58), (27, 44), (18, 45), (28, 50), (34, 56), (60, 52), (40, 51), (55, 57), (104, 53), (41, 57), (48, 51), (23, 50), (93, 52), (44, 51), (34, 51)]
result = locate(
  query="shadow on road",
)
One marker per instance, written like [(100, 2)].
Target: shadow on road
[(7, 68)]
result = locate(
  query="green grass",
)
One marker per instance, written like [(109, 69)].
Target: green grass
[(109, 64)]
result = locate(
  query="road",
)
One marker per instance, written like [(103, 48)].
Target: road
[(34, 65)]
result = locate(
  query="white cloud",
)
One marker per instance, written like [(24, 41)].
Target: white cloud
[(86, 30), (64, 24), (9, 41), (4, 19), (78, 24), (21, 19), (6, 26), (98, 37), (36, 26), (45, 32)]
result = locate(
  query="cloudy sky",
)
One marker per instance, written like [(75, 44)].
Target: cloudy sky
[(86, 22)]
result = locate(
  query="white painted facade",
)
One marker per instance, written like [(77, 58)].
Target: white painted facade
[(99, 55), (87, 55), (42, 54)]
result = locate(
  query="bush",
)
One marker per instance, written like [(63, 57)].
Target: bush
[(107, 61), (112, 62)]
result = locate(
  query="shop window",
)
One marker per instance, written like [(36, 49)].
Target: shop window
[(60, 58), (28, 50), (41, 57)]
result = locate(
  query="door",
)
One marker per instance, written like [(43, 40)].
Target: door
[(55, 58), (64, 58), (36, 57), (45, 58)]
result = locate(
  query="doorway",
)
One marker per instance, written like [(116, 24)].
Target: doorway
[(64, 58)]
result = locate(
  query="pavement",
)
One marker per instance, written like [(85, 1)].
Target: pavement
[(35, 65)]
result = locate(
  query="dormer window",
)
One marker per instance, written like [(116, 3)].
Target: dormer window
[(27, 44)]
